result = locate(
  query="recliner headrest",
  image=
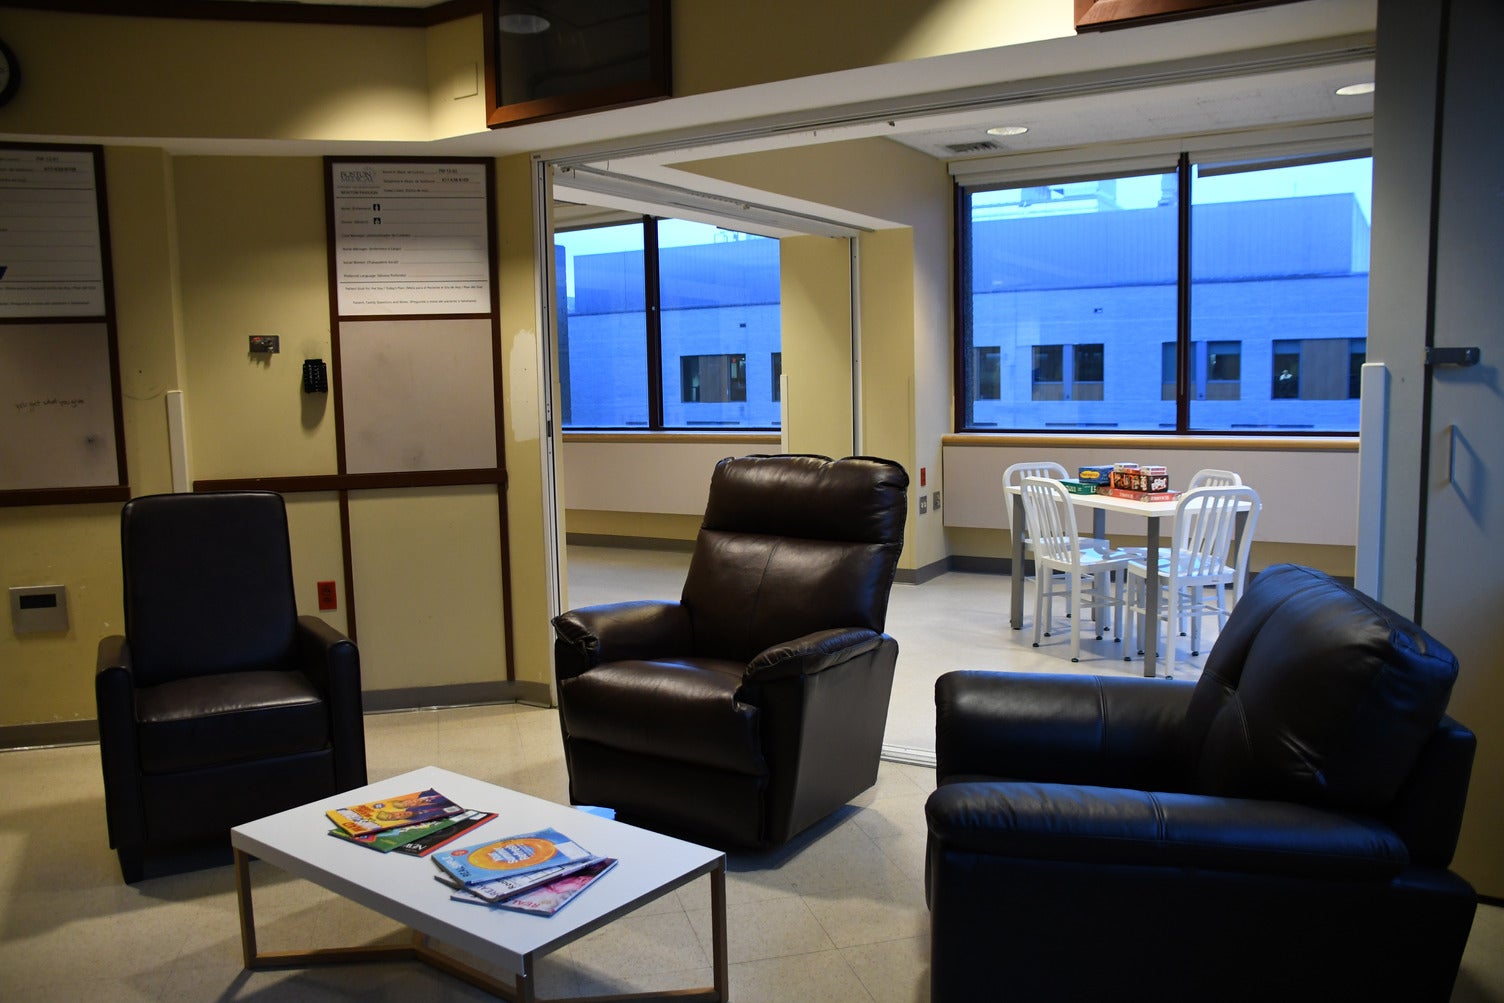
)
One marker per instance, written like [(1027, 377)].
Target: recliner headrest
[(1316, 693)]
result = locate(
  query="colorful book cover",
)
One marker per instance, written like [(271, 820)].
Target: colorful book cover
[(529, 851), (392, 813), (494, 892), (422, 838), (429, 842), (550, 898)]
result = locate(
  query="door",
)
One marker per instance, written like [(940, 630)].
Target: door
[(1462, 583)]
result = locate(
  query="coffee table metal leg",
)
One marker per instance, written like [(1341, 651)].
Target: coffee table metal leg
[(523, 988), (718, 931)]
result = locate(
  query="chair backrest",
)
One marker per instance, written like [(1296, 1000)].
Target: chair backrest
[(1204, 523), (1051, 520), (1014, 476), (791, 545), (1210, 477), (208, 584), (1319, 694)]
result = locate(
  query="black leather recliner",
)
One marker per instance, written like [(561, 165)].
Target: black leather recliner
[(1279, 830), (755, 705), (219, 704)]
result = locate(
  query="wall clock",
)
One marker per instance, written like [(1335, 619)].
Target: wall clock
[(10, 73)]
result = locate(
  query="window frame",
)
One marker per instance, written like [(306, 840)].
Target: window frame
[(653, 333), (979, 177)]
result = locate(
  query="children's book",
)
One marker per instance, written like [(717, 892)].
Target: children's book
[(550, 898), (494, 892), (422, 838), (499, 858), (392, 813), (429, 842)]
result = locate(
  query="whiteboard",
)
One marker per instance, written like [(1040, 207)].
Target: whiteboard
[(418, 395), (57, 410)]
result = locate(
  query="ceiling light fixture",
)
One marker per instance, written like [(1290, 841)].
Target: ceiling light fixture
[(1007, 130), (522, 24), (1352, 90)]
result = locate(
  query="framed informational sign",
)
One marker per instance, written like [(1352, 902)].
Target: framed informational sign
[(551, 58), (51, 259), (410, 238), (60, 408)]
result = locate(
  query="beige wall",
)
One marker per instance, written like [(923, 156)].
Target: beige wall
[(92, 75), (723, 45), (815, 319)]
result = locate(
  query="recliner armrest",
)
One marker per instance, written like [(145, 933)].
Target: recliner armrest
[(1078, 729), (811, 653), (1110, 826), (119, 756), (332, 661), (614, 632)]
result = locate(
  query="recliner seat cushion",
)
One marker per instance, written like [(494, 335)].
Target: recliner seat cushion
[(204, 721), (1315, 693), (681, 709)]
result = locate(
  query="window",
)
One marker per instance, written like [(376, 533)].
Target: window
[(717, 379), (658, 320), (1078, 301), (1216, 370), (1333, 366)]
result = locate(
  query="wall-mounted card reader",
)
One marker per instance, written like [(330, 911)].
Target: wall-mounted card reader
[(315, 377), (39, 608)]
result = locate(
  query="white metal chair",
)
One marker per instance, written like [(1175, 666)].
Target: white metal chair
[(1210, 477), (1013, 477), (1205, 519), (1067, 566)]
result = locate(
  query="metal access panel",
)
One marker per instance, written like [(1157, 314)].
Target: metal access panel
[(38, 609)]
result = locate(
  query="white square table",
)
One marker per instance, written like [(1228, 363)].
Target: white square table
[(1151, 512), (403, 888)]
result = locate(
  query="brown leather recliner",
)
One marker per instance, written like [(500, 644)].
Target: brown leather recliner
[(755, 705), (1281, 829), (219, 704)]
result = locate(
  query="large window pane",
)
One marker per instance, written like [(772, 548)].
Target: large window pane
[(720, 307), (1280, 264), (1069, 294), (603, 340)]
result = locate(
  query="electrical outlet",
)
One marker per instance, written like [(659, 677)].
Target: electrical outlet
[(923, 504), (937, 501), (328, 598)]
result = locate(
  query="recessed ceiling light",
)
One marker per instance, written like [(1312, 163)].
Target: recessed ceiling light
[(1352, 90), (522, 24), (1007, 130)]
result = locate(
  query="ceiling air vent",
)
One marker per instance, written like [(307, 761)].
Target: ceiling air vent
[(959, 149)]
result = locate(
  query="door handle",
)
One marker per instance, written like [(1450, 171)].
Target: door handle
[(1453, 356)]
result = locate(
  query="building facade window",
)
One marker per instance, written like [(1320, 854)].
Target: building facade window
[(1079, 302), (658, 320)]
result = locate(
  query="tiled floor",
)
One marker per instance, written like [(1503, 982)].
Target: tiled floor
[(838, 915)]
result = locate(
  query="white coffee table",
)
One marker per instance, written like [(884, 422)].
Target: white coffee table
[(402, 887)]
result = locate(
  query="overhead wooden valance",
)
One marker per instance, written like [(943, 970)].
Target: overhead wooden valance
[(1098, 15)]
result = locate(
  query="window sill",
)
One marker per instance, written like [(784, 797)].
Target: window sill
[(1253, 443), (660, 435)]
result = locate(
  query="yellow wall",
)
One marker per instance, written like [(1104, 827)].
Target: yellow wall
[(815, 320), (92, 75), (723, 45)]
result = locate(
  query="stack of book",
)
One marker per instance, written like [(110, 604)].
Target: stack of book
[(415, 824), (534, 872)]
